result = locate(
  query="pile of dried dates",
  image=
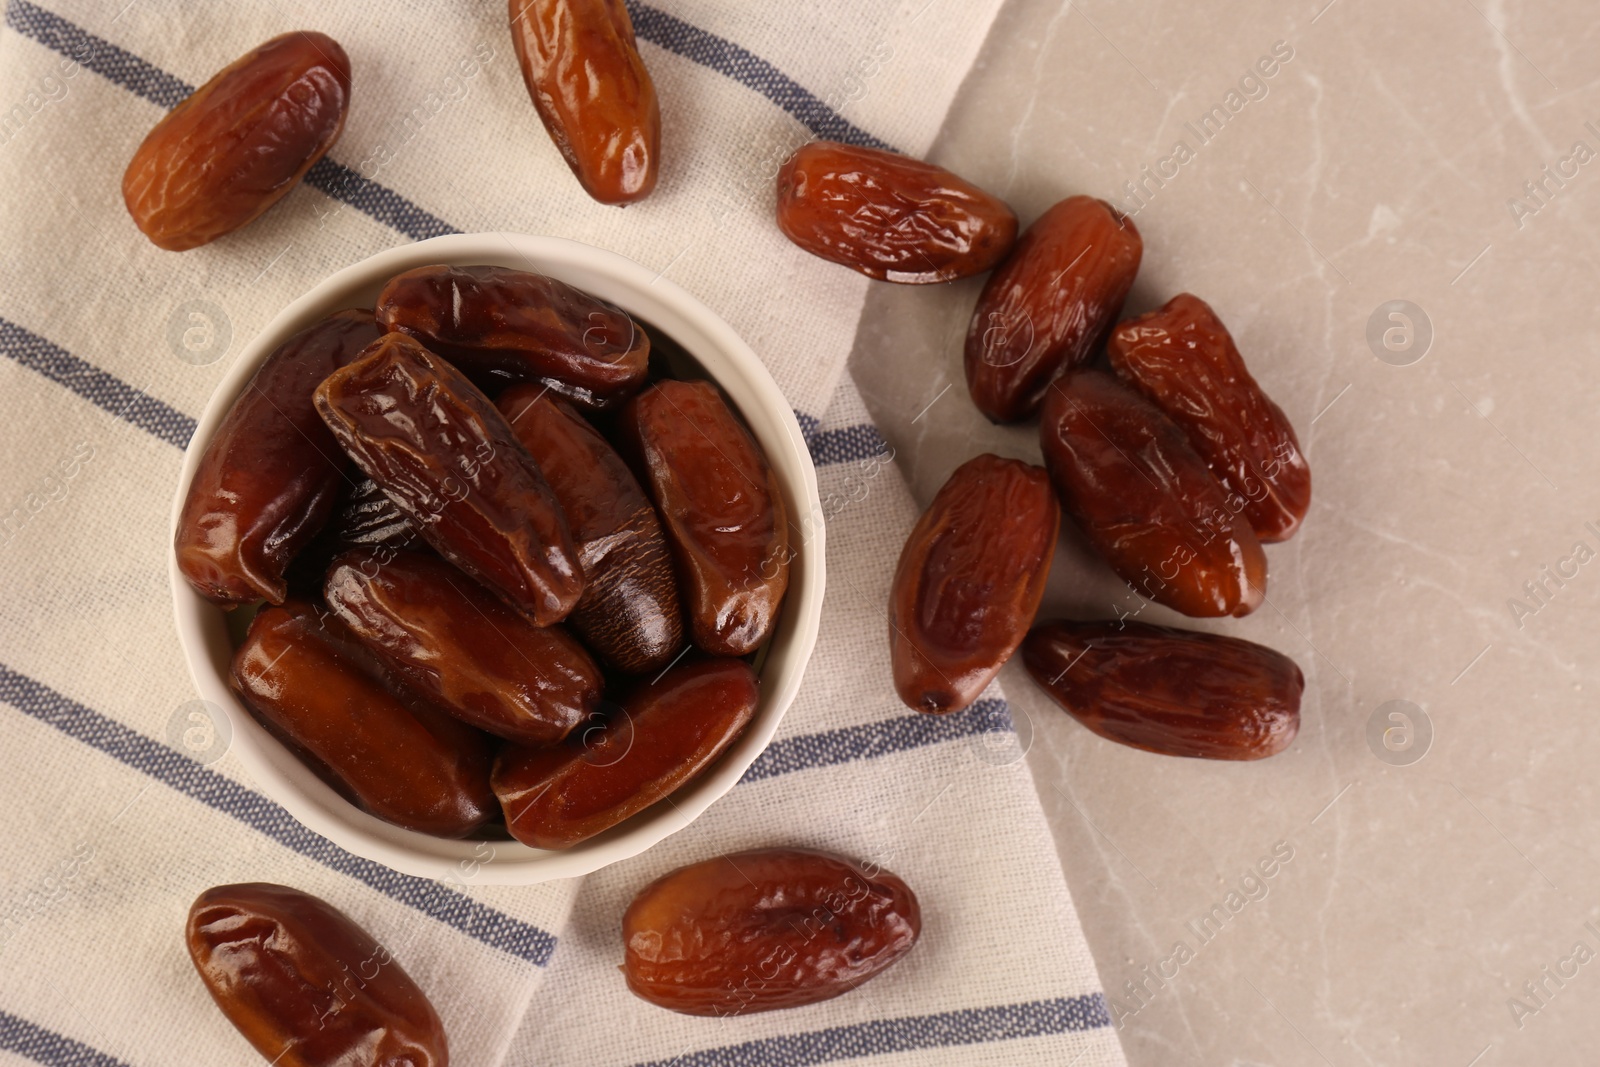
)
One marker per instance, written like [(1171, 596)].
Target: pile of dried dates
[(481, 526), (484, 533), (1169, 458)]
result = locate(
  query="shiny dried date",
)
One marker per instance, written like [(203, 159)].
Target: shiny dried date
[(667, 732), (592, 91), (889, 216), (460, 646), (1146, 502), (1169, 691), (1049, 305), (500, 325), (442, 451), (271, 473), (384, 748), (305, 985), (1184, 361), (969, 581), (239, 143), (629, 612), (722, 509), (762, 930)]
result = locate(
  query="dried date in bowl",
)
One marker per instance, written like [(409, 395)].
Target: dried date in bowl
[(239, 143), (630, 613), (272, 473), (659, 306), (390, 750), (665, 733), (889, 216), (503, 326), (721, 508)]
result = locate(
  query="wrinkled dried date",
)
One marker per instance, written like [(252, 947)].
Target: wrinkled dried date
[(458, 645), (722, 509), (629, 612), (1146, 502), (969, 581), (305, 985), (367, 518), (386, 749), (1169, 691), (271, 473), (240, 142), (500, 325), (666, 733), (442, 451), (889, 216), (593, 92), (1184, 361), (767, 929), (1049, 305)]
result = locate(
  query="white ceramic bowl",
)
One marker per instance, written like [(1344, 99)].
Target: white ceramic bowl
[(203, 634)]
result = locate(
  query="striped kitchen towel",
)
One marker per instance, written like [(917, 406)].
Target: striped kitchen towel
[(114, 824)]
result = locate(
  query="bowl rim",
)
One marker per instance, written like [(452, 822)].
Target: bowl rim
[(202, 629)]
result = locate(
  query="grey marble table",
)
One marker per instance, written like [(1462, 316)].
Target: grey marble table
[(1432, 897)]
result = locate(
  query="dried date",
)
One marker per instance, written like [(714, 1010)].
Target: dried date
[(305, 985), (667, 732), (722, 509), (629, 612), (762, 930), (889, 216), (463, 648), (442, 451), (239, 143), (367, 518), (592, 91), (1169, 691), (271, 473), (1184, 361), (1146, 502), (1050, 305), (500, 326), (384, 748), (969, 581)]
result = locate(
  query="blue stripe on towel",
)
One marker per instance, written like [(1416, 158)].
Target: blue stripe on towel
[(184, 775), (48, 1047), (101, 388), (748, 69), (847, 444), (873, 739), (968, 1026)]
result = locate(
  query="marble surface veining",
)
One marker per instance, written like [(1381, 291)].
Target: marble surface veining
[(1445, 153)]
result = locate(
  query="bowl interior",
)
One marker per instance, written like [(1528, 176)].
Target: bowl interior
[(208, 648)]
